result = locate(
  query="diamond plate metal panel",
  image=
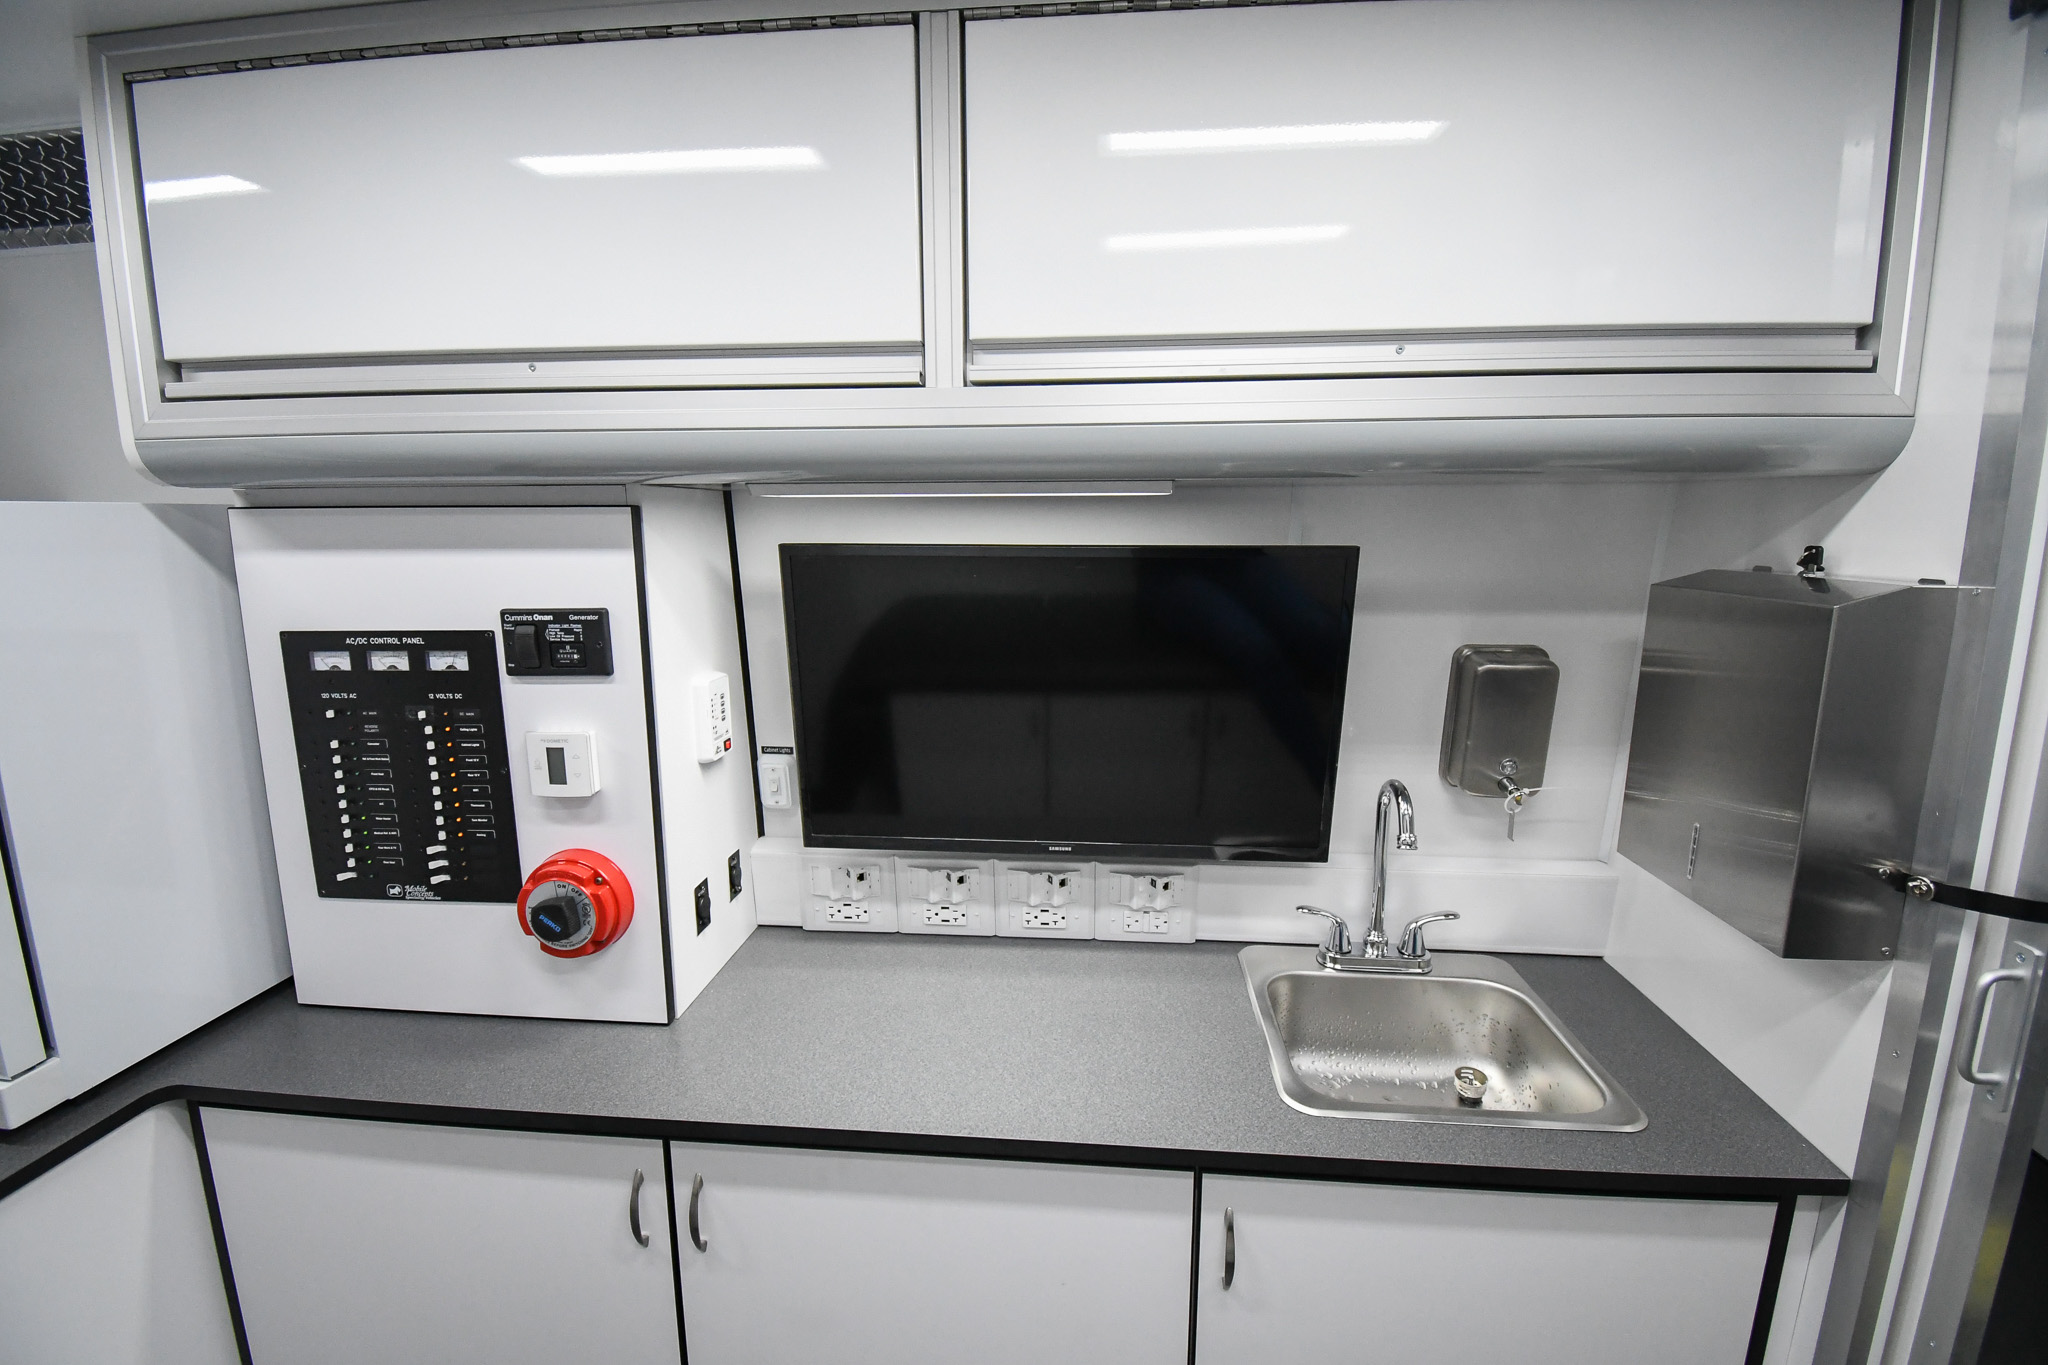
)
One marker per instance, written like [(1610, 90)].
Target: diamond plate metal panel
[(43, 198)]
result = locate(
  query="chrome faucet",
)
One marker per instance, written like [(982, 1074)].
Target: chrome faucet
[(1393, 800), (1410, 955)]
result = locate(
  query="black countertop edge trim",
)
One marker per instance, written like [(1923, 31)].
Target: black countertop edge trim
[(1533, 1179), (86, 1136)]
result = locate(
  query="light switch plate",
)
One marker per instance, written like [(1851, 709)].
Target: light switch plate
[(776, 781), (563, 764), (1045, 901)]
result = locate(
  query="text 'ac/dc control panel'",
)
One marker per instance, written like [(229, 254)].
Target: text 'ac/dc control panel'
[(403, 764), (574, 642)]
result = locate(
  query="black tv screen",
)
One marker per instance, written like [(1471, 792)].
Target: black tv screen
[(1131, 701)]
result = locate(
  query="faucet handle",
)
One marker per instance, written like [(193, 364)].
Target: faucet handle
[(1339, 942), (1411, 938)]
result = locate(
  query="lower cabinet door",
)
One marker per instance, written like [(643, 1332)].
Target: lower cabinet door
[(1296, 1270), (830, 1258), (353, 1241)]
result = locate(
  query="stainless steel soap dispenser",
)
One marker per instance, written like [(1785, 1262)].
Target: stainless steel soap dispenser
[(1497, 717), (1784, 726)]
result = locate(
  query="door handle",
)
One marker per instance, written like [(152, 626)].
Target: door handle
[(1980, 1010), (633, 1209), (1229, 1246), (697, 1194)]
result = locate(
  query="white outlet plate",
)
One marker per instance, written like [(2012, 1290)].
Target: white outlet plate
[(1145, 904), (1045, 900), (945, 898), (852, 893)]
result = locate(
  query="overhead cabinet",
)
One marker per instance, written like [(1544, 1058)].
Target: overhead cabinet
[(405, 243), (723, 208), (1429, 184)]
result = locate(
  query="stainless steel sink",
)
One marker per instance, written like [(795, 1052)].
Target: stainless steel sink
[(1390, 1047)]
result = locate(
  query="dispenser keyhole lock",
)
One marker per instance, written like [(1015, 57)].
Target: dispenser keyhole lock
[(1517, 795)]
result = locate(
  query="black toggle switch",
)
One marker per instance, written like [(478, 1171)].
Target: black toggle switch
[(525, 648)]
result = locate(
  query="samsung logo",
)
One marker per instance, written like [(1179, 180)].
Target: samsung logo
[(1059, 848)]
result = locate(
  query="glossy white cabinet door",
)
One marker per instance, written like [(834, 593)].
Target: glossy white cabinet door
[(108, 1259), (1427, 164), (1446, 1277), (353, 1241), (832, 1258), (753, 189)]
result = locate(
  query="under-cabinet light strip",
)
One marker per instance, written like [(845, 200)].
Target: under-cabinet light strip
[(1150, 488)]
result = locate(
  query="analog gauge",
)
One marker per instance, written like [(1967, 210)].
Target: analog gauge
[(331, 661), (390, 661)]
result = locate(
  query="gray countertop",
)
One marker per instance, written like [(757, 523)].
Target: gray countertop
[(1063, 1051)]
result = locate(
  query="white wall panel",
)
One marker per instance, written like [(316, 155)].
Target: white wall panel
[(1802, 1034), (707, 809), (733, 190), (455, 569), (1427, 164), (133, 786), (1564, 566), (109, 1258)]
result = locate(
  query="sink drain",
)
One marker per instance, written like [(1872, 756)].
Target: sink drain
[(1471, 1083)]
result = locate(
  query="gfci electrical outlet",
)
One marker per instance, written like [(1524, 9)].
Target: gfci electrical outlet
[(1145, 906), (1044, 902), (852, 894), (951, 898)]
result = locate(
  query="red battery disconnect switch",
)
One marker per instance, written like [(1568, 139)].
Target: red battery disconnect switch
[(575, 903)]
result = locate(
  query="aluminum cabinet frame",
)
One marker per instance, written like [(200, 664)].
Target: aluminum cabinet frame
[(1742, 422)]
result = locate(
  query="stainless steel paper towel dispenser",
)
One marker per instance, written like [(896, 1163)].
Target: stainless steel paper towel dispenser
[(1783, 730)]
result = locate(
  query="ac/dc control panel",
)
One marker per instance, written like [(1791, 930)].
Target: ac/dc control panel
[(403, 764)]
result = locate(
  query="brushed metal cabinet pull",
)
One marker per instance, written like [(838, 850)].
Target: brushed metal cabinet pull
[(1979, 1010), (1229, 1246), (633, 1208), (696, 1195)]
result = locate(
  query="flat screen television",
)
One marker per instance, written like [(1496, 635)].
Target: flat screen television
[(1161, 702)]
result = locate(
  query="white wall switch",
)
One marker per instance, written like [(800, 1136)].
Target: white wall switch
[(849, 893), (711, 704), (1045, 902), (952, 898), (1145, 905), (777, 781), (561, 764)]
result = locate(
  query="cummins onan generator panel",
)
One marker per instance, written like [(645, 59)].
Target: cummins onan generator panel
[(479, 752)]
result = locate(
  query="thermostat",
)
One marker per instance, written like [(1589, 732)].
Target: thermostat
[(561, 765)]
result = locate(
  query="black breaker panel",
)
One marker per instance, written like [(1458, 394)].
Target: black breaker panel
[(403, 763)]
